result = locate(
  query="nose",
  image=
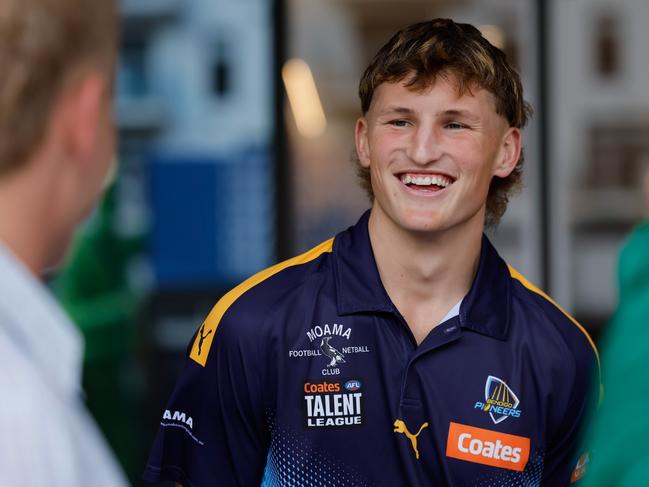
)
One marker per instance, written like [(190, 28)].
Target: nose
[(424, 147)]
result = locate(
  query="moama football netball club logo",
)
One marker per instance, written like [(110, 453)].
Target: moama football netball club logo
[(332, 343)]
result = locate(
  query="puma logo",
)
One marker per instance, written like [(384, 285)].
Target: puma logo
[(400, 427), (202, 337)]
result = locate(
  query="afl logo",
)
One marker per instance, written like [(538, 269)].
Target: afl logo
[(353, 385)]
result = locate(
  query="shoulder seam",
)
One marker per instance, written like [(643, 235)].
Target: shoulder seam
[(205, 335), (531, 287)]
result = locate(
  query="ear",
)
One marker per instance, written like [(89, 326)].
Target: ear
[(510, 153), (362, 142), (81, 108)]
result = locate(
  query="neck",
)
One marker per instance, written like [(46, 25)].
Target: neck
[(425, 274), (28, 224)]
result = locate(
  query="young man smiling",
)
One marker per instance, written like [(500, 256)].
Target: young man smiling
[(431, 152), (404, 351)]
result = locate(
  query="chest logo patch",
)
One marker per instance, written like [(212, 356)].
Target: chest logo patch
[(330, 404), (499, 401), (400, 427), (479, 445), (330, 341)]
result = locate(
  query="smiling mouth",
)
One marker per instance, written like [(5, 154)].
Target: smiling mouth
[(426, 182)]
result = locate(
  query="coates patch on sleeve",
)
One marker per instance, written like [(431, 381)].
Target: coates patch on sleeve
[(205, 336), (479, 445), (580, 468)]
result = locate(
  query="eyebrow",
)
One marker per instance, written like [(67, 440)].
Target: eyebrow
[(396, 109), (444, 113), (459, 113)]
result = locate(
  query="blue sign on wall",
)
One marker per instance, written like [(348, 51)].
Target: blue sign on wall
[(213, 218)]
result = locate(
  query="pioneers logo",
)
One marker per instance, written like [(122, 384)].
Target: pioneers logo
[(500, 401), (330, 404), (330, 341)]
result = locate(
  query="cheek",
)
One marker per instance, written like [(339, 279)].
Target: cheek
[(377, 177), (476, 163), (381, 180), (382, 151)]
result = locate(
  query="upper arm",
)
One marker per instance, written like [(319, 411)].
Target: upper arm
[(566, 436), (213, 428)]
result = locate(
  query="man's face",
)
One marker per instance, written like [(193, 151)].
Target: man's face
[(432, 154)]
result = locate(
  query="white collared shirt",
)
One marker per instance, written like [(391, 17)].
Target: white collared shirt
[(47, 437)]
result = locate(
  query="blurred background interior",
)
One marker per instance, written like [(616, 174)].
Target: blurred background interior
[(236, 130)]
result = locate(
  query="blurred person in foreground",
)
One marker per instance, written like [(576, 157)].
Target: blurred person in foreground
[(404, 351), (617, 439), (57, 141)]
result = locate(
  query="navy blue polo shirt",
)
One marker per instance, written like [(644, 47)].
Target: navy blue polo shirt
[(307, 374)]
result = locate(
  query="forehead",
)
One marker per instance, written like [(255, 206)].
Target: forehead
[(443, 92)]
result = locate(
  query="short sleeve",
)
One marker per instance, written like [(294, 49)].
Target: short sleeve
[(212, 431), (563, 455)]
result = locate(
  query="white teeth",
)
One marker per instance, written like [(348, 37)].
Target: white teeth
[(426, 180), (440, 181)]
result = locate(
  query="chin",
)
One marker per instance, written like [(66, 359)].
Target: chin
[(422, 221), (432, 221)]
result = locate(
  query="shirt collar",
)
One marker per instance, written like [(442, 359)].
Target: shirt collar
[(36, 325), (485, 309)]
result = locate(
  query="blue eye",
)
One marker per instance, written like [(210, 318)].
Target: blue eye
[(454, 125), (399, 123)]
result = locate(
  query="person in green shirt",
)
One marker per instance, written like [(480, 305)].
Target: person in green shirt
[(619, 433)]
